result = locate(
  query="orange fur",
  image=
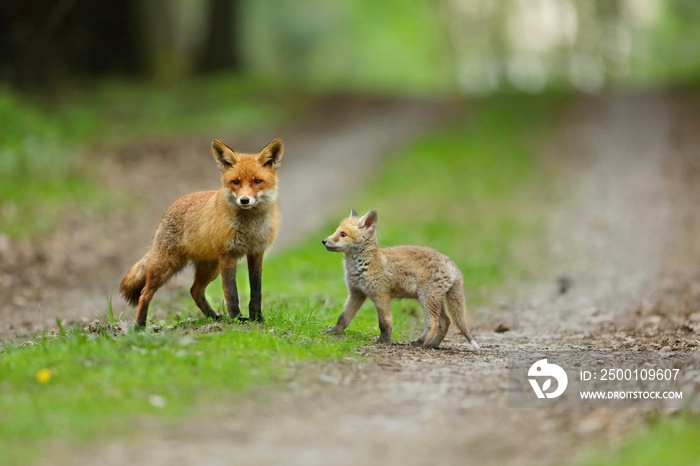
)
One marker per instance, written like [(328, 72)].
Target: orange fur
[(213, 230)]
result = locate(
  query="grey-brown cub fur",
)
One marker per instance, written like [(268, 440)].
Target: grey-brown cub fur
[(397, 272)]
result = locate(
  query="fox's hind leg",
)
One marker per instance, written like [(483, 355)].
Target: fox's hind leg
[(427, 323), (158, 272), (442, 329), (205, 273), (432, 309)]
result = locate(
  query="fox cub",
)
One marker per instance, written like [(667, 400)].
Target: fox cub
[(213, 230), (397, 272)]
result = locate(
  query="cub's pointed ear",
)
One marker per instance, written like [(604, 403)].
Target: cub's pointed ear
[(353, 213), (271, 155), (368, 221), (225, 156)]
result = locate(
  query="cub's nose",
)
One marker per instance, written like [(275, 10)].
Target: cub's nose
[(244, 200), (324, 241)]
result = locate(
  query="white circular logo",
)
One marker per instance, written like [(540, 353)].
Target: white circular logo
[(543, 369)]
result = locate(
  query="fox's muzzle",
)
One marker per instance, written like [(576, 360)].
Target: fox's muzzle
[(329, 245), (246, 202)]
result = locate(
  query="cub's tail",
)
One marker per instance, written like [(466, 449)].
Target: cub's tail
[(134, 281), (458, 311)]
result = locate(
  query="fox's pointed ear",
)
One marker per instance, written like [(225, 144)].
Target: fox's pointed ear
[(369, 220), (225, 156), (353, 213), (271, 155)]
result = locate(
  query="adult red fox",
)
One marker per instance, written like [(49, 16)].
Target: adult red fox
[(213, 230), (397, 272)]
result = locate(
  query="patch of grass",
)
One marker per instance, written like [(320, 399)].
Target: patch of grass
[(672, 442), (37, 157), (463, 190), (210, 105), (96, 378)]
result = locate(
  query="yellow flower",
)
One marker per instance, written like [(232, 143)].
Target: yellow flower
[(43, 376)]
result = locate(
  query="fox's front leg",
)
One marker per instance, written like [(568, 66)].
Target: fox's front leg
[(352, 305), (228, 279), (255, 278)]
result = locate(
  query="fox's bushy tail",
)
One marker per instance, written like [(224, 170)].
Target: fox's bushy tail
[(458, 311), (134, 281)]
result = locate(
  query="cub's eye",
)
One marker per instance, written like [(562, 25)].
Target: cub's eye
[(236, 182), (343, 234), (257, 181)]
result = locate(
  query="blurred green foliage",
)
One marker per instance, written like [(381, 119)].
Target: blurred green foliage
[(400, 46), (668, 442), (37, 162), (668, 52)]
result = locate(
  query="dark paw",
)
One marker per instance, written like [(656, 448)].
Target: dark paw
[(257, 318), (418, 342)]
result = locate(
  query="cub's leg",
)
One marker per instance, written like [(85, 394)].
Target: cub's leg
[(442, 330), (205, 273), (426, 330), (432, 308), (352, 305), (383, 305)]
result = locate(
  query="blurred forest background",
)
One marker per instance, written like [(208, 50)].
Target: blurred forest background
[(398, 46), (78, 77), (86, 82)]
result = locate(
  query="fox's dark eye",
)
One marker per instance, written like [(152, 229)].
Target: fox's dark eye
[(257, 181), (236, 182), (343, 234)]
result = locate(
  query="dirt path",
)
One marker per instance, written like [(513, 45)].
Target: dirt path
[(70, 273), (627, 240)]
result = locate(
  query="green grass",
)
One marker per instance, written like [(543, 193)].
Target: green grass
[(206, 105), (465, 190), (671, 442), (37, 156), (98, 378)]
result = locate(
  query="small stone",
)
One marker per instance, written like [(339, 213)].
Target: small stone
[(501, 328)]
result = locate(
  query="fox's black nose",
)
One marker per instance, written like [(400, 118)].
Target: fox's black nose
[(324, 241), (245, 200)]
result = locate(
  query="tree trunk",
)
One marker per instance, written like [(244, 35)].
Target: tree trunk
[(162, 56), (221, 45)]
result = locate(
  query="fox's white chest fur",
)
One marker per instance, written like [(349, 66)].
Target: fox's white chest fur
[(251, 232)]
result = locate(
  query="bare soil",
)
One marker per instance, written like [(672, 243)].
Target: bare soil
[(623, 237)]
